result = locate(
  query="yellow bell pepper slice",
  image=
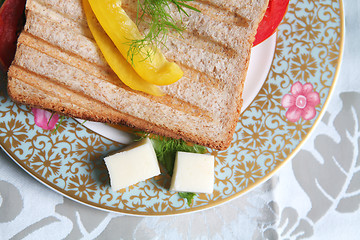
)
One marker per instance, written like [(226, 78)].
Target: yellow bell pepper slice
[(115, 59), (122, 30)]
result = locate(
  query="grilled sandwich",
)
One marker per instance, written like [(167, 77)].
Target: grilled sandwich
[(59, 67)]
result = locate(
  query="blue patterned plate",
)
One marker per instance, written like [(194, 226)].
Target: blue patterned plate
[(272, 128)]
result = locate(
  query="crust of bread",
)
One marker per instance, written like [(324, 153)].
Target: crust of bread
[(58, 67)]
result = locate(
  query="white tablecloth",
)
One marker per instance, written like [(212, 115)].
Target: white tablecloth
[(316, 195)]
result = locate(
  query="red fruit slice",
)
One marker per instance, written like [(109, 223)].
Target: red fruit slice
[(272, 18), (11, 19)]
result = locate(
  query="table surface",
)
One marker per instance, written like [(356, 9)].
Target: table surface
[(315, 195)]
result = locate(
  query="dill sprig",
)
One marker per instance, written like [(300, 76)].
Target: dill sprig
[(52, 114), (61, 119), (166, 148), (155, 14)]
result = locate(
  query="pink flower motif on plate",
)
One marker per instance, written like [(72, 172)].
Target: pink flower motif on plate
[(44, 119), (301, 102)]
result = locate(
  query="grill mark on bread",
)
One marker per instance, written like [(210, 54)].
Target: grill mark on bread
[(51, 89), (192, 37), (221, 13), (67, 8), (218, 13), (86, 112), (70, 41), (57, 13), (225, 32), (98, 70), (43, 83), (47, 87), (201, 77), (104, 73), (219, 47), (198, 40), (88, 50), (214, 65)]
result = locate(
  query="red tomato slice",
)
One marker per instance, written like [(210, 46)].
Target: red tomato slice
[(11, 20), (272, 18)]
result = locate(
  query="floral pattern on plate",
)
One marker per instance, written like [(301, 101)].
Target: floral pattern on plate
[(70, 160)]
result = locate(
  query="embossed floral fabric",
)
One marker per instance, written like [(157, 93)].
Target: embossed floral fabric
[(315, 195)]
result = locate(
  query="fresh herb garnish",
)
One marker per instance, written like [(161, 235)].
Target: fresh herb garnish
[(166, 148), (189, 196), (52, 114), (155, 14), (59, 123)]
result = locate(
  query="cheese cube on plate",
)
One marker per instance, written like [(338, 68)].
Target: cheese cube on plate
[(193, 172), (133, 164)]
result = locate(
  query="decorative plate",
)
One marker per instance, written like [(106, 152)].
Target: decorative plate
[(271, 129)]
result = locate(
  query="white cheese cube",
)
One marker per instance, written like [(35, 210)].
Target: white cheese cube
[(133, 164), (193, 172)]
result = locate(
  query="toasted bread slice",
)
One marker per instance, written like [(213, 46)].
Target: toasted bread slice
[(59, 67)]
